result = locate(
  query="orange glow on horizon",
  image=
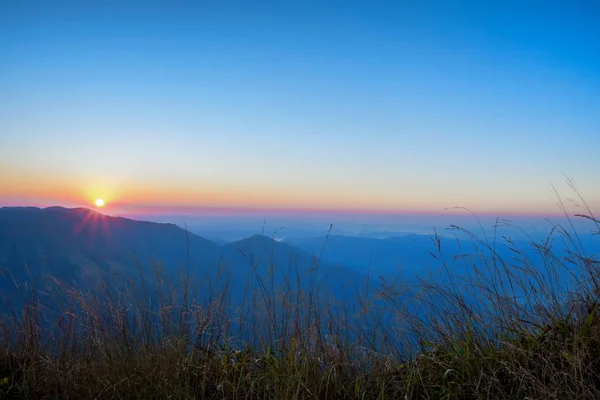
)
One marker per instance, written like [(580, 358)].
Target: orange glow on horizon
[(46, 189)]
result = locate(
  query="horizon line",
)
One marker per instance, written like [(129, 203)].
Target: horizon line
[(119, 209)]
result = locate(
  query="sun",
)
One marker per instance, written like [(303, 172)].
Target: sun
[(99, 203)]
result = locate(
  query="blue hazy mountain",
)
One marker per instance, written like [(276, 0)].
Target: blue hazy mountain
[(82, 247), (412, 258), (409, 255), (290, 263)]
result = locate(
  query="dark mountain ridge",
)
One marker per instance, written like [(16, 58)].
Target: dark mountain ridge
[(83, 247)]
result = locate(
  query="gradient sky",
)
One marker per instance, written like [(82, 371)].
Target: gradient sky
[(405, 105)]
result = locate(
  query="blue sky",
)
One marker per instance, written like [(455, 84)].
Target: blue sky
[(410, 106)]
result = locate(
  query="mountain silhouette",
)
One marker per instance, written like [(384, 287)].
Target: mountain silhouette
[(84, 248)]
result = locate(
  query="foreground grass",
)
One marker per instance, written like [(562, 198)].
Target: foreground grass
[(523, 333), (561, 362), (534, 367)]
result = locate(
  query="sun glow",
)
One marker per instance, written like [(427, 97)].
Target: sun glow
[(99, 203)]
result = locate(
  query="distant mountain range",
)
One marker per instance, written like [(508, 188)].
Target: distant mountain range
[(82, 247), (414, 256), (409, 255)]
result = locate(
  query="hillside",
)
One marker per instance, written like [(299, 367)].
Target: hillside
[(84, 247)]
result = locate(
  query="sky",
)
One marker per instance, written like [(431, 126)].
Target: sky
[(383, 107)]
